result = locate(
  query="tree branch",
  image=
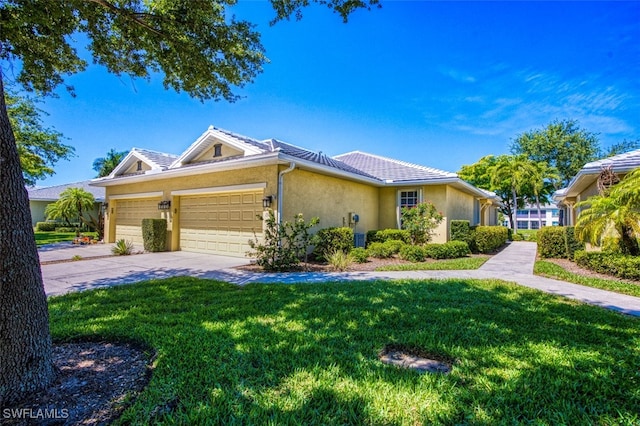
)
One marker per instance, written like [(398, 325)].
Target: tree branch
[(132, 16)]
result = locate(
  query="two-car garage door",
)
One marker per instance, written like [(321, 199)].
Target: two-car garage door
[(220, 223), (129, 215)]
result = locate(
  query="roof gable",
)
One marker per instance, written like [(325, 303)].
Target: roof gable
[(141, 161), (216, 145), (390, 170)]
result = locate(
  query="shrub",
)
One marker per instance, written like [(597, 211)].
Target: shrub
[(622, 266), (359, 255), (394, 246), (490, 238), (533, 237), (450, 250), (517, 237), (339, 260), (571, 242), (413, 253), (65, 229), (154, 234), (551, 242), (283, 244), (393, 234), (611, 245), (122, 248), (46, 226), (328, 240), (372, 236), (421, 221), (379, 250)]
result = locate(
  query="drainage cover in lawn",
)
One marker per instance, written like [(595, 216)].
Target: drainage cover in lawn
[(415, 359)]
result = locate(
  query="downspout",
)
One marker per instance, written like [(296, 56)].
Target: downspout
[(292, 166)]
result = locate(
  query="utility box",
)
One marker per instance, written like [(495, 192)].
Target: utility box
[(358, 240)]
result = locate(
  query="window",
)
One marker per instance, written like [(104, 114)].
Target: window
[(408, 198), (534, 224), (555, 213), (522, 213), (139, 166), (523, 224), (217, 150)]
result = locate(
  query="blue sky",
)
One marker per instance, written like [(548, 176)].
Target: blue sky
[(435, 83)]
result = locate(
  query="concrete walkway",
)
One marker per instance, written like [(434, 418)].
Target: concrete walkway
[(514, 263)]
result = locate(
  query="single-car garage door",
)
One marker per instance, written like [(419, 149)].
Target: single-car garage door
[(220, 223), (129, 215)]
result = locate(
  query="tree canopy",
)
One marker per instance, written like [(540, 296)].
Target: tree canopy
[(39, 147)]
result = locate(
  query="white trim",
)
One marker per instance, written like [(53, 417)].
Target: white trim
[(212, 135), (155, 194), (217, 189)]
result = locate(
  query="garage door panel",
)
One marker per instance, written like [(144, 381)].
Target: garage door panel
[(129, 215), (221, 224)]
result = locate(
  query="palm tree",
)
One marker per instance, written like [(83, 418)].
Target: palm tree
[(541, 180), (105, 165), (618, 213), (72, 202), (513, 171)]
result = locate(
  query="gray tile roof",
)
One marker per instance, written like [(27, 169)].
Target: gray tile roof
[(621, 162), (388, 169), (53, 192)]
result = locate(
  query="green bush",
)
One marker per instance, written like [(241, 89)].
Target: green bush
[(372, 236), (461, 231), (551, 242), (517, 237), (450, 250), (154, 235), (533, 237), (339, 260), (379, 250), (571, 242), (359, 255), (66, 229), (622, 266), (394, 246), (328, 240), (611, 245), (46, 226), (490, 238), (392, 234), (413, 253), (122, 248)]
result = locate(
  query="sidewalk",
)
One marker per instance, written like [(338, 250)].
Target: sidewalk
[(514, 263)]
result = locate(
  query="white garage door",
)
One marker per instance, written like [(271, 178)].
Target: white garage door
[(129, 215), (221, 223)]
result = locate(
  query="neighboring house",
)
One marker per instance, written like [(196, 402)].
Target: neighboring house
[(528, 218), (213, 194), (585, 183), (40, 198)]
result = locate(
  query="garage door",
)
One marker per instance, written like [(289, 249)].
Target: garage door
[(221, 223), (129, 215)]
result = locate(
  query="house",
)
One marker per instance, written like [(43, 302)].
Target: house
[(214, 193), (585, 183), (529, 218), (40, 198)]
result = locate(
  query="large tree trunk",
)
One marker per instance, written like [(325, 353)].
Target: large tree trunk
[(25, 342)]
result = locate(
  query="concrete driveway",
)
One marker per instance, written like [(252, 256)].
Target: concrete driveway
[(98, 268)]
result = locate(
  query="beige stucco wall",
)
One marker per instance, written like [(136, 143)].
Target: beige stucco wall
[(263, 174), (329, 198), (37, 211)]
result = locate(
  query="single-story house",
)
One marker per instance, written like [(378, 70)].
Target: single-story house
[(213, 194), (40, 198), (585, 183)]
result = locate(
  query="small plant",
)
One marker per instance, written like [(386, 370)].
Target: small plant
[(359, 255), (76, 257), (413, 253), (122, 248), (379, 250), (328, 240), (339, 260)]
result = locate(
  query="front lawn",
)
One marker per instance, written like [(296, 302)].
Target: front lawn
[(43, 238), (308, 353), (549, 269), (462, 263)]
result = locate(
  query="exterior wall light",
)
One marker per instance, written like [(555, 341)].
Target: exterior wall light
[(266, 201), (164, 205)]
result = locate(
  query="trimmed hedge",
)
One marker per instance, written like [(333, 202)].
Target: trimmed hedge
[(627, 267), (386, 249), (46, 226), (558, 242), (450, 250), (461, 230), (490, 238), (382, 235), (413, 253), (329, 240), (154, 234), (359, 255)]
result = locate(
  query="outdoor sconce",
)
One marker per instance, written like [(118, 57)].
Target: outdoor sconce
[(164, 205), (266, 201)]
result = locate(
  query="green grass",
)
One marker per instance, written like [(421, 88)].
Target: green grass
[(549, 269), (462, 263), (57, 237), (308, 353)]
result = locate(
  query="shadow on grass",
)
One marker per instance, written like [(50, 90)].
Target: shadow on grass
[(291, 352)]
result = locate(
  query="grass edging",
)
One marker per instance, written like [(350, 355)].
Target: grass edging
[(551, 270), (464, 263)]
